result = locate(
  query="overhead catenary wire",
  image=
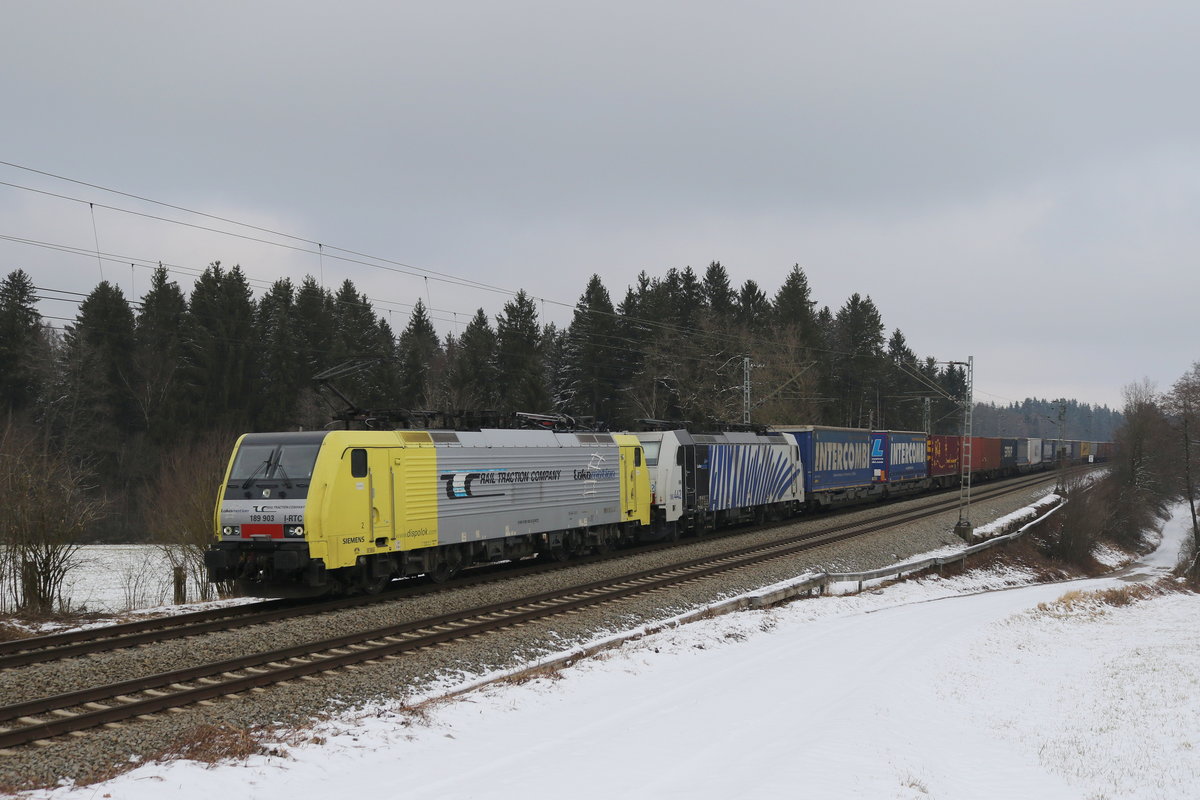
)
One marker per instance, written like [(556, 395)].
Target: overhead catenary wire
[(405, 268)]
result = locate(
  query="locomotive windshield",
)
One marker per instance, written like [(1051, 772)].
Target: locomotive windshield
[(651, 449), (274, 462)]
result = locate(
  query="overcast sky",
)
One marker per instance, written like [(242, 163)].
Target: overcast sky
[(1017, 181)]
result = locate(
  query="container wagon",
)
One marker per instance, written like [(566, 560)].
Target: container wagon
[(837, 465), (945, 459)]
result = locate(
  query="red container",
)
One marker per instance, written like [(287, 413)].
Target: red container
[(944, 454), (985, 454)]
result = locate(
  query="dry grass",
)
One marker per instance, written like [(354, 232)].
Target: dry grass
[(207, 744), (10, 632), (1099, 601), (212, 744)]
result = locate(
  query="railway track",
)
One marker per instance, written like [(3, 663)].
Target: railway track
[(74, 713)]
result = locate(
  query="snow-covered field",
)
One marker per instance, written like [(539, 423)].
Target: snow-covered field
[(925, 689), (119, 577)]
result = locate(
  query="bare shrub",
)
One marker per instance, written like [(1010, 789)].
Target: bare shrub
[(142, 584), (179, 504), (1072, 534), (48, 505)]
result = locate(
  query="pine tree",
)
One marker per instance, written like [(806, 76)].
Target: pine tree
[(590, 365), (718, 294), (418, 349), (903, 404), (314, 326), (689, 299), (99, 420), (753, 309), (22, 346), (521, 376), (356, 337), (158, 355), (220, 352), (282, 379), (794, 307), (471, 376), (858, 332)]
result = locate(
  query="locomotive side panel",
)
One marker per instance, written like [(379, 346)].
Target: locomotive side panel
[(487, 491)]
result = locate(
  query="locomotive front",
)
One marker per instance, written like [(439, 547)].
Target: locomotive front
[(261, 514)]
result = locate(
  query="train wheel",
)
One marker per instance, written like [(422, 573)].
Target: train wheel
[(442, 571), (377, 585), (447, 565)]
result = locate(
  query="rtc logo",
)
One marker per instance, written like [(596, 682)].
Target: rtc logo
[(458, 485)]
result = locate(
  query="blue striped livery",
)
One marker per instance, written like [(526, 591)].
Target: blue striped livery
[(741, 475)]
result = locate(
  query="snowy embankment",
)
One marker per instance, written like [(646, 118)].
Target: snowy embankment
[(929, 688)]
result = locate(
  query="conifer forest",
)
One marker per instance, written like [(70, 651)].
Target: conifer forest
[(122, 394)]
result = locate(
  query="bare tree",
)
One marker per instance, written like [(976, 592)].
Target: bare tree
[(49, 504), (1184, 403), (179, 502)]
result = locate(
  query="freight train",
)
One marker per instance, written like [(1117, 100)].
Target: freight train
[(311, 513)]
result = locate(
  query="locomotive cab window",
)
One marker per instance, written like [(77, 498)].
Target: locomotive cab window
[(358, 463), (651, 449), (290, 462), (253, 461), (296, 461), (637, 456)]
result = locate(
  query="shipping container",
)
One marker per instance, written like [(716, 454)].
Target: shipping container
[(833, 458), (985, 455), (899, 456), (1049, 451), (1085, 451), (1029, 453), (945, 453), (1008, 454), (1104, 451)]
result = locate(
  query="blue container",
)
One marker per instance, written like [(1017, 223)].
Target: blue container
[(1008, 452), (834, 458), (899, 456)]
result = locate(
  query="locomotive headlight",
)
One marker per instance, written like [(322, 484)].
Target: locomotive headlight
[(294, 530), (231, 530)]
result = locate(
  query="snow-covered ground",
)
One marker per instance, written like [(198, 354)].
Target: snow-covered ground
[(122, 580), (925, 689), (118, 577)]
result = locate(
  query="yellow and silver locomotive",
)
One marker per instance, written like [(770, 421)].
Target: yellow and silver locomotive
[(311, 512)]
